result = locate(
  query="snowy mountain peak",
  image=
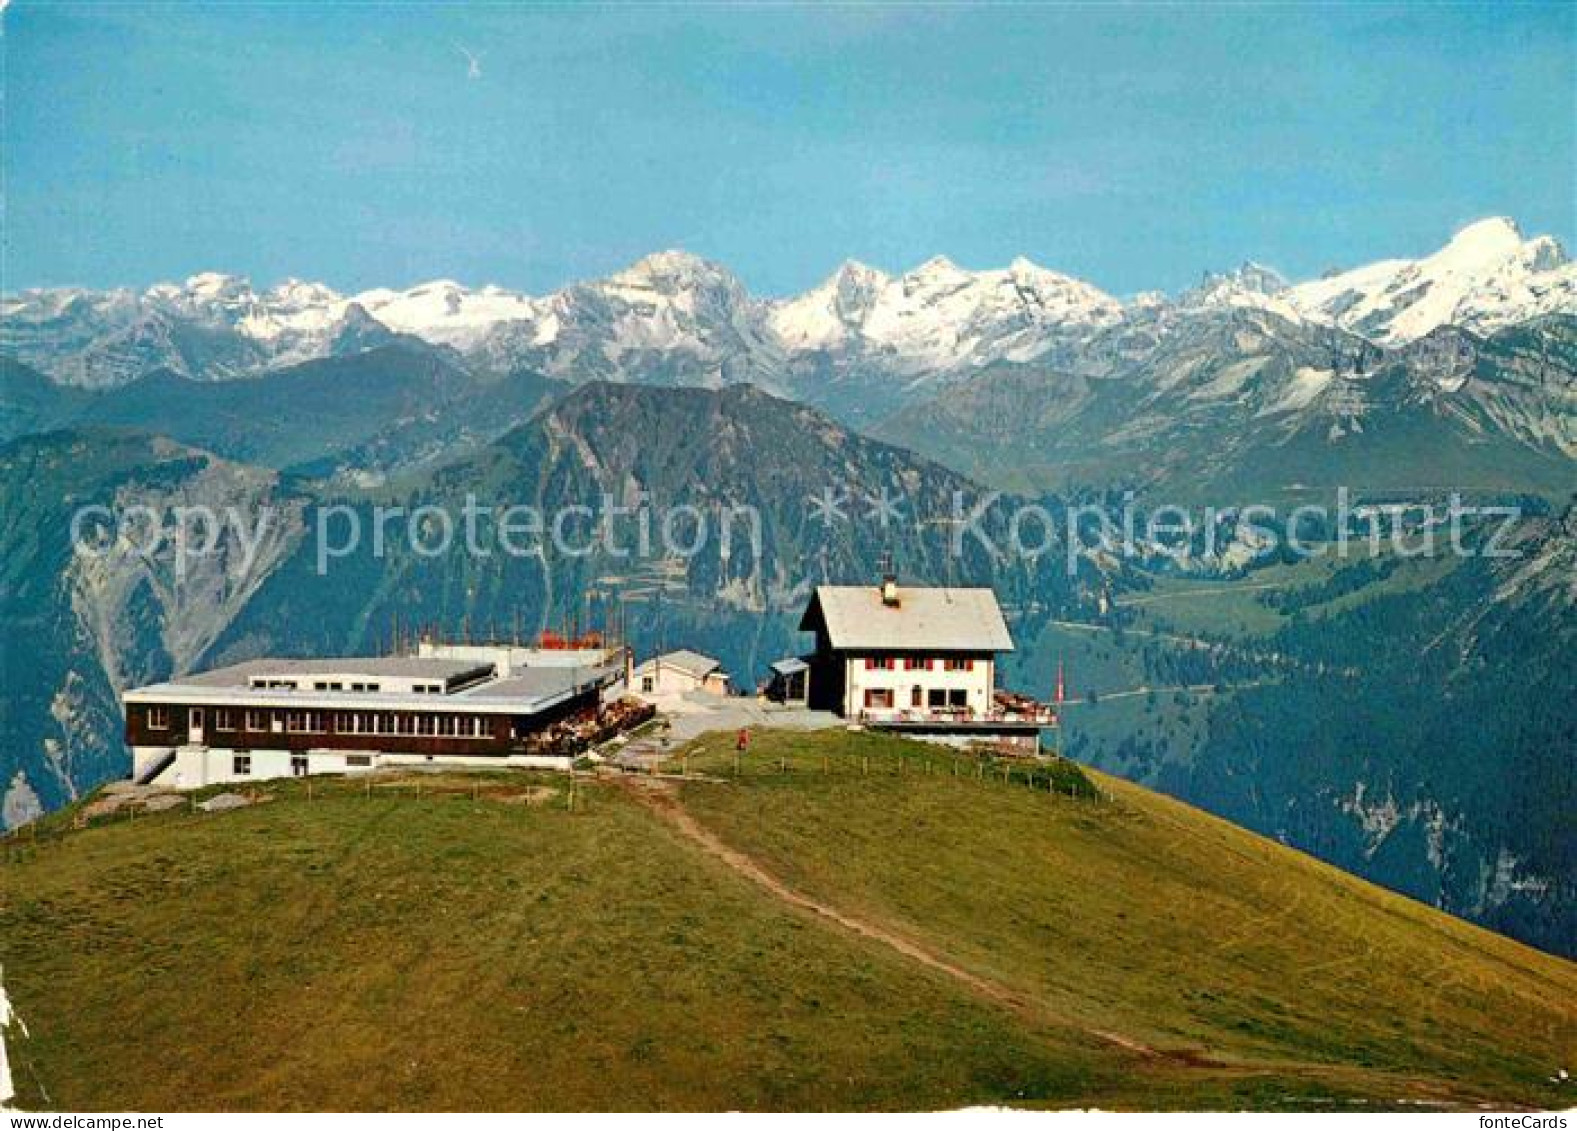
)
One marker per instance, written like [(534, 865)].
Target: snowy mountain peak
[(851, 272), (830, 313), (213, 284), (1545, 253), (1257, 277), (299, 294), (674, 315), (939, 269), (1250, 285), (673, 269), (1491, 236), (1485, 277)]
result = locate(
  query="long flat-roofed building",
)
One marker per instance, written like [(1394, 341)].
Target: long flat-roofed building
[(476, 705)]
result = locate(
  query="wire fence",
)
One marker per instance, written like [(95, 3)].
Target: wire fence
[(564, 790)]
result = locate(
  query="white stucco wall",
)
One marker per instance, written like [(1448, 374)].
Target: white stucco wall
[(199, 766), (977, 684)]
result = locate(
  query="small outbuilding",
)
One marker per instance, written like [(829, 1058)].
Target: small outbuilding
[(677, 672), (789, 683)]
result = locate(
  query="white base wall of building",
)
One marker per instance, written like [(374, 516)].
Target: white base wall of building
[(196, 767), (975, 684)]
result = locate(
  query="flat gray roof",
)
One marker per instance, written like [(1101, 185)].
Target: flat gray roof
[(393, 667), (532, 683), (526, 691)]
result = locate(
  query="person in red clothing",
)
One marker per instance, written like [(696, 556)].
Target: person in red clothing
[(742, 742)]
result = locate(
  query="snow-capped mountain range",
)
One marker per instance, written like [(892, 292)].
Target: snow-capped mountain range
[(675, 318)]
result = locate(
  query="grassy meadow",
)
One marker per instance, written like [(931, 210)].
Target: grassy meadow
[(496, 941)]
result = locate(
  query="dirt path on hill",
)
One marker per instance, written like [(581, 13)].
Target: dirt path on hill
[(661, 798)]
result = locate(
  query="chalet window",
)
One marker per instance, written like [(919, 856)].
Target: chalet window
[(446, 725), (241, 765), (358, 761), (426, 724), (647, 683), (879, 663), (954, 664), (256, 720), (158, 718), (223, 720), (879, 697), (917, 663), (957, 697), (372, 687), (914, 697), (937, 698), (407, 724), (298, 722)]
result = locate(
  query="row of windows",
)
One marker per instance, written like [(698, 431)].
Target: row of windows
[(936, 698), (241, 764), (325, 685), (919, 663), (261, 720)]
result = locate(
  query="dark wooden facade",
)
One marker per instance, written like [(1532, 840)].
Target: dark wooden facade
[(502, 734)]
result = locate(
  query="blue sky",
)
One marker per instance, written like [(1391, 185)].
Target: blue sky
[(1133, 146)]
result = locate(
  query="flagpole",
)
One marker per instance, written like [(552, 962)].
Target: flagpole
[(1058, 700)]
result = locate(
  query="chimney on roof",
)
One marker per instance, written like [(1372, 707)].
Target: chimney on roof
[(889, 585)]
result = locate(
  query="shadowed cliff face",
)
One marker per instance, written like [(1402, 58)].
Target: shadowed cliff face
[(82, 626)]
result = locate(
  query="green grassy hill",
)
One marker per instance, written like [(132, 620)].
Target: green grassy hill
[(850, 921)]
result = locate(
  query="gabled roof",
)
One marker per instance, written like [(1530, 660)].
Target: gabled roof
[(940, 620), (684, 660), (791, 666)]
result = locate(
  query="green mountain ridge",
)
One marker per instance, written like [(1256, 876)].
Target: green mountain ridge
[(852, 922), (1314, 746)]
